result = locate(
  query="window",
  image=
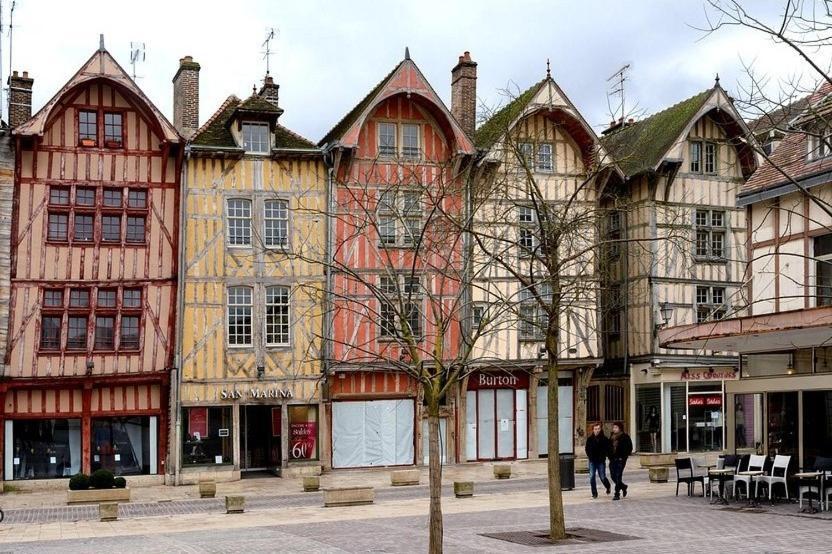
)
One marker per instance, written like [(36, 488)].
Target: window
[(136, 199), (823, 270), (386, 139), (84, 228), (406, 292), (85, 196), (614, 316), (303, 432), (207, 437), (77, 333), (111, 228), (239, 316), (44, 448), (130, 328), (695, 157), (544, 157), (527, 232), (399, 218), (105, 337), (59, 196), (710, 157), (614, 234), (107, 298), (77, 206), (710, 234), (58, 227), (479, 315), (123, 445), (533, 319), (710, 303), (525, 156), (132, 298), (135, 229), (79, 298), (50, 332), (277, 316), (112, 198), (129, 331), (819, 144), (112, 129), (87, 128), (410, 140), (276, 221), (239, 222), (256, 138)]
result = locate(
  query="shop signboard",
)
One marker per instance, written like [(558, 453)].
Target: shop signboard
[(302, 437), (498, 380), (713, 400)]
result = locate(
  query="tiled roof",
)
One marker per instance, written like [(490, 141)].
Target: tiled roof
[(491, 131), (790, 156), (640, 146), (780, 117)]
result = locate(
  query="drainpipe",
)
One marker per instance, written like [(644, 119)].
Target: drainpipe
[(326, 345)]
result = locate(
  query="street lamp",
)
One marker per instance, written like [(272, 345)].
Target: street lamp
[(666, 312)]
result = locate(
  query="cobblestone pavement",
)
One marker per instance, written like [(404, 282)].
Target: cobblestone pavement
[(664, 524)]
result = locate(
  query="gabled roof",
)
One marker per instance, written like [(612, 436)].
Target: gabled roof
[(405, 78), (492, 130), (780, 117), (101, 65), (216, 132)]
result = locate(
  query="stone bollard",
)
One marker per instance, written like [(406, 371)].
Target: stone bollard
[(463, 489), (405, 477), (108, 511), (658, 474), (207, 488), (235, 504), (502, 471), (311, 483)]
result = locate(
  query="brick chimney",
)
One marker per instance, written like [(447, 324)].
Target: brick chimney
[(270, 90), (20, 98), (186, 97), (464, 93)]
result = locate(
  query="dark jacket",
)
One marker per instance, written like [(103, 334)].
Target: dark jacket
[(620, 446), (597, 448)]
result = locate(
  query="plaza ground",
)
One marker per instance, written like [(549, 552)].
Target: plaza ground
[(281, 518)]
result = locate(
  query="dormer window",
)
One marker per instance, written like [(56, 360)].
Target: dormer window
[(256, 138), (87, 128), (386, 139), (112, 129), (820, 145)]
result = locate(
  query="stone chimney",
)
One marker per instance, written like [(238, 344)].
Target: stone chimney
[(464, 93), (20, 98), (186, 97), (270, 90)]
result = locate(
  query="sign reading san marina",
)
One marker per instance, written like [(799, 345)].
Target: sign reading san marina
[(254, 393)]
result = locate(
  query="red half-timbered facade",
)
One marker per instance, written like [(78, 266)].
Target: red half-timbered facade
[(396, 161), (93, 297)]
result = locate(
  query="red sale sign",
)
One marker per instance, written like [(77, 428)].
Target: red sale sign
[(303, 436), (198, 422)]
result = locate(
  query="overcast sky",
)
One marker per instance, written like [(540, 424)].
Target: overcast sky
[(328, 55)]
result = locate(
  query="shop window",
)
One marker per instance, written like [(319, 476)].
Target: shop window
[(303, 432), (798, 362), (705, 421), (817, 426), (782, 417), (748, 422), (122, 445), (208, 437), (44, 448), (648, 419)]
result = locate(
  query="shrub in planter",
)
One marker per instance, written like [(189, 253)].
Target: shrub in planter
[(102, 479), (79, 482), (120, 482)]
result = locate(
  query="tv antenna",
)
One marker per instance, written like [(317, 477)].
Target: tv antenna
[(616, 89), (267, 45), (137, 55)]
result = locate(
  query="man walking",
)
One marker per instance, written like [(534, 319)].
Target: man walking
[(597, 448), (620, 449)]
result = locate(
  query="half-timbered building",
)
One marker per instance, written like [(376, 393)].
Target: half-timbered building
[(93, 281), (253, 282), (681, 261)]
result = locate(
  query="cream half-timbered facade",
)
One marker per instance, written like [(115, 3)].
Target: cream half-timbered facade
[(682, 258), (253, 281)]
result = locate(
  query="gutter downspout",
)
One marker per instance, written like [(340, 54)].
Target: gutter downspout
[(326, 346)]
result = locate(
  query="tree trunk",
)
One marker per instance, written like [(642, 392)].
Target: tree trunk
[(434, 477), (582, 382), (557, 525)]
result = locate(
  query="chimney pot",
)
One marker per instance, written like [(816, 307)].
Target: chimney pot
[(20, 98), (464, 93), (14, 73), (270, 90), (186, 97)]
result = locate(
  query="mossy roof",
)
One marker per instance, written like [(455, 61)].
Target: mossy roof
[(496, 126), (216, 131), (640, 146)]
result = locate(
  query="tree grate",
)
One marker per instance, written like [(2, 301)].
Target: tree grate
[(575, 536)]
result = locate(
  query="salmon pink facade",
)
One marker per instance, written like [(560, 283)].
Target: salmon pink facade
[(94, 264)]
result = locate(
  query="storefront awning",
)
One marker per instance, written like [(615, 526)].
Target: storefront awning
[(759, 333)]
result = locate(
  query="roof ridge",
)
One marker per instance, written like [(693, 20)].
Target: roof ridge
[(667, 109), (296, 135), (483, 134), (216, 114)]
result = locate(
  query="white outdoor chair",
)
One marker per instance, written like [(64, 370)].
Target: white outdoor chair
[(824, 465), (778, 475), (755, 463)]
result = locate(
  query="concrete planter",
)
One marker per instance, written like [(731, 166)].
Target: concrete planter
[(502, 471), (405, 477), (235, 504), (658, 474), (350, 496), (581, 464), (97, 496), (463, 489), (657, 460), (311, 483), (207, 488), (108, 511)]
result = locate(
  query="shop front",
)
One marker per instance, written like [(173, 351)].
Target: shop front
[(51, 433), (680, 410)]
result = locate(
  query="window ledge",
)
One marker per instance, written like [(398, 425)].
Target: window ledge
[(709, 260)]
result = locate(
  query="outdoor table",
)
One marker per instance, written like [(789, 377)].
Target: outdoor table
[(752, 500), (810, 476), (721, 475)]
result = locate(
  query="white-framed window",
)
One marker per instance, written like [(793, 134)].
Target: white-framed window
[(711, 157), (256, 137), (819, 144), (533, 319), (696, 157), (405, 291), (479, 315), (238, 211), (386, 139), (710, 234), (527, 230), (525, 152), (399, 217), (276, 223), (240, 316), (823, 270), (277, 316), (411, 143), (703, 157), (545, 161), (710, 303)]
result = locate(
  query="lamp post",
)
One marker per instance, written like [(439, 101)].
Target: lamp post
[(666, 313)]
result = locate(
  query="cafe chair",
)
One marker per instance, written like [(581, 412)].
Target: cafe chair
[(709, 483), (755, 463), (823, 465), (777, 476), (684, 474)]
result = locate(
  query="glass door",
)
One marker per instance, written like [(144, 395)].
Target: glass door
[(486, 425), (261, 437), (505, 423), (706, 421), (678, 418), (781, 411)]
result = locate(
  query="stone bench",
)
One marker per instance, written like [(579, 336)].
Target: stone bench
[(97, 496), (348, 496), (235, 504), (405, 477)]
